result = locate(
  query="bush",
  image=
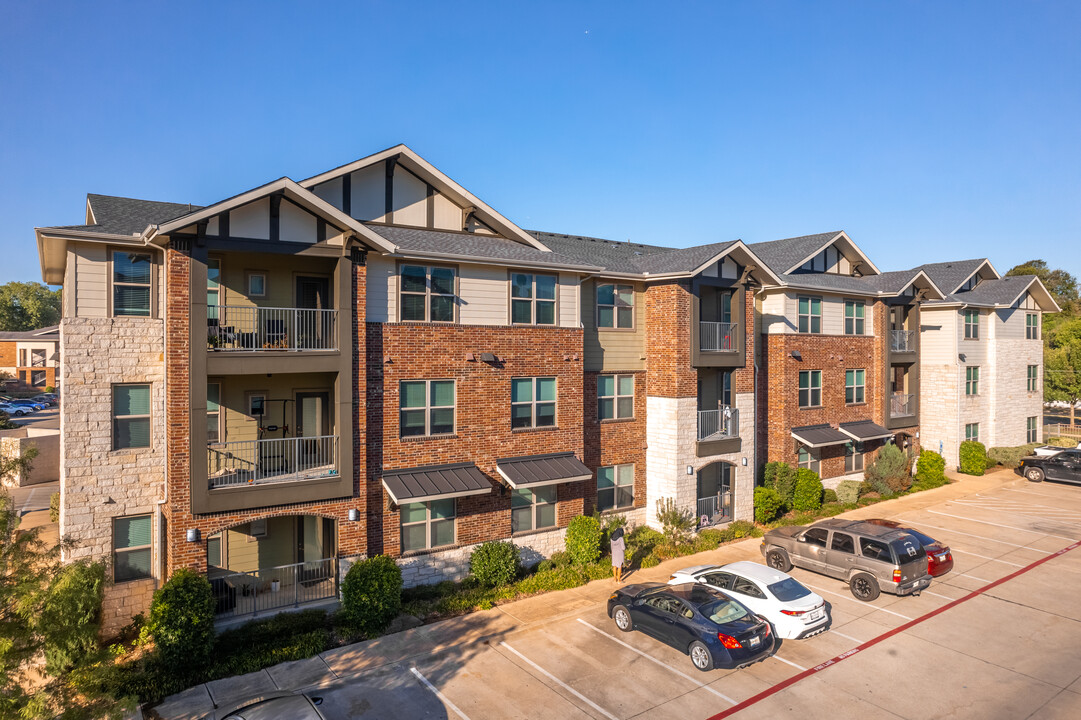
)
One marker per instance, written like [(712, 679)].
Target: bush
[(584, 539), (262, 643), (640, 543), (782, 477), (71, 615), (372, 594), (676, 523), (929, 484), (1010, 456), (848, 491), (54, 507), (767, 504), (973, 458), (829, 496), (182, 621), (742, 529), (808, 494), (1062, 442), (650, 560), (930, 467), (494, 563), (710, 539), (889, 473)]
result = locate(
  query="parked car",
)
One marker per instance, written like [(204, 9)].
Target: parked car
[(710, 626), (14, 410), (939, 557), (45, 400), (23, 403), (794, 611), (1048, 450), (275, 706), (1064, 466), (870, 558)]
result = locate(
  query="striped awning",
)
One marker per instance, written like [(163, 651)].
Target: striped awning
[(540, 470)]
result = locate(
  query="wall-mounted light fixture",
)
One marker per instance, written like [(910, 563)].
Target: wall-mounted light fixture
[(690, 469), (193, 535), (961, 357), (354, 514), (744, 462), (796, 355)]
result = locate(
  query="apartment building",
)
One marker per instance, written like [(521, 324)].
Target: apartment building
[(373, 360), (32, 357)]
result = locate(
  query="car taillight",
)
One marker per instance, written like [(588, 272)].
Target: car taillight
[(897, 575), (766, 633), (613, 596), (795, 613), (728, 641)]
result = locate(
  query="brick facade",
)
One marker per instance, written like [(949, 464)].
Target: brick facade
[(615, 442), (668, 341)]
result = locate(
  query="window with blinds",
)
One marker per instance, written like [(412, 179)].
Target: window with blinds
[(131, 548), (131, 416), (131, 283)]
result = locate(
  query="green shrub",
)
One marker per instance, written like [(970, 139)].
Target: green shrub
[(742, 529), (848, 491), (1062, 442), (808, 494), (781, 477), (831, 509), (829, 496), (767, 504), (676, 523), (889, 472), (710, 539), (929, 484), (182, 621), (650, 560), (641, 542), (1010, 456), (973, 458), (494, 563), (372, 594), (54, 507), (71, 615), (584, 539), (930, 467), (262, 643)]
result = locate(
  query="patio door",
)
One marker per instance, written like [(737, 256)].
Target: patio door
[(715, 493), (314, 448), (313, 293)]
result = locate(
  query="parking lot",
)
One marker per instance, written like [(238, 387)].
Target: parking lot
[(998, 637)]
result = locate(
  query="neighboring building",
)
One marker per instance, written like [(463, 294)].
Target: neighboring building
[(982, 357), (32, 357)]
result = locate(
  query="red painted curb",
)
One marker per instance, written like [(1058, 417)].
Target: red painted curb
[(874, 641)]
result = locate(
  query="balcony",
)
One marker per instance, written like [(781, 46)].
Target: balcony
[(902, 341), (237, 594), (233, 327), (902, 405), (718, 337), (259, 462), (718, 424)]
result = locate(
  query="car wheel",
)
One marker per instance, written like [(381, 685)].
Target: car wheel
[(778, 560), (19, 413), (864, 587), (622, 616), (701, 657), (1034, 474)]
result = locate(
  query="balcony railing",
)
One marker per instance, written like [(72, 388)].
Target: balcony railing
[(269, 328), (712, 511), (717, 337), (250, 462), (901, 405), (902, 340), (246, 593), (720, 423)]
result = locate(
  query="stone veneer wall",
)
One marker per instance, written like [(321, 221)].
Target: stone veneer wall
[(98, 483)]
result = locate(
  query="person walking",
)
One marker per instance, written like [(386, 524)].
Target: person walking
[(619, 546)]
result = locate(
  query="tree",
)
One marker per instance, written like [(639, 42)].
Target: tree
[(1062, 363), (28, 306)]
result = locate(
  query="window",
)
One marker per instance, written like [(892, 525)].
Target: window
[(213, 288), (37, 358), (131, 548), (854, 310), (615, 306), (972, 432), (746, 587), (256, 404), (22, 358), (37, 378), (972, 324), (1030, 430), (213, 412), (427, 407), (972, 380), (257, 284), (1032, 326), (810, 388), (842, 543), (853, 457), (533, 402), (427, 293), (213, 551), (615, 487), (1033, 378), (725, 299), (131, 416), (533, 299), (807, 458), (533, 509), (427, 525), (131, 283), (875, 550), (816, 536), (854, 386), (810, 315), (615, 396)]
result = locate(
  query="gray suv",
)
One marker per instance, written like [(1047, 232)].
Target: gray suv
[(870, 558)]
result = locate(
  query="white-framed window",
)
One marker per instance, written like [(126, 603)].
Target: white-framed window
[(533, 402), (809, 314), (256, 404), (427, 407), (257, 284), (1031, 430), (854, 317), (533, 509), (131, 416), (427, 293), (615, 396), (972, 324), (532, 299), (213, 412), (615, 487), (972, 432), (257, 529), (972, 380), (808, 458), (132, 554), (1032, 326), (854, 386), (853, 457), (810, 388), (427, 525), (1033, 378), (615, 306), (213, 288), (132, 281)]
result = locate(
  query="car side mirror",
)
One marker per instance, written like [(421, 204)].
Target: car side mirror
[(317, 701)]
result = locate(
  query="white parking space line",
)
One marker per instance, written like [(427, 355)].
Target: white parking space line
[(846, 597), (1008, 527), (443, 698), (984, 537), (973, 577), (788, 662), (562, 684), (846, 637), (985, 557), (937, 595), (1043, 495), (702, 685), (1018, 508)]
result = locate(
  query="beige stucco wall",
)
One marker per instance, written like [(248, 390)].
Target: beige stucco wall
[(45, 467)]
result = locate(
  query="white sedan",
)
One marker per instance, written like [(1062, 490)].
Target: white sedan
[(794, 611)]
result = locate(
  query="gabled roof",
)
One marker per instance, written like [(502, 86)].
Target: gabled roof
[(949, 276), (126, 216), (48, 334), (1005, 292), (474, 246), (788, 255)]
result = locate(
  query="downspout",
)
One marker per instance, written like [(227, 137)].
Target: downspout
[(164, 396)]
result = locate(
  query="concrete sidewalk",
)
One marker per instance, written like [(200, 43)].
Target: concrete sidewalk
[(489, 626)]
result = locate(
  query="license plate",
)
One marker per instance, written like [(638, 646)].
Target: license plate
[(941, 558), (754, 641), (815, 615)]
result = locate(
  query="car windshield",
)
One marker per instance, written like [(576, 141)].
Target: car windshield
[(788, 589), (723, 611)]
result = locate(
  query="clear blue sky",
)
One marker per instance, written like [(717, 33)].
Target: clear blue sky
[(927, 130)]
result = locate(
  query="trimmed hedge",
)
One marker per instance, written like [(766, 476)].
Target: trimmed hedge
[(829, 496), (1010, 456), (372, 594), (973, 458), (848, 491), (584, 535), (182, 621), (808, 493), (494, 562), (930, 467), (767, 504)]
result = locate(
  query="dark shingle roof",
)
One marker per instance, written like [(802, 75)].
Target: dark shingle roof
[(948, 276), (52, 332), (128, 216), (995, 292), (474, 245), (783, 254)]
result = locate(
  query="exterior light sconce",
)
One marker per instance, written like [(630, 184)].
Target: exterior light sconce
[(690, 470), (961, 357), (354, 514), (387, 359), (745, 464), (193, 535), (796, 354)]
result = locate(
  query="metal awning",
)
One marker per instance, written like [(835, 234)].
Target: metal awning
[(435, 482), (539, 470), (865, 430), (815, 436)]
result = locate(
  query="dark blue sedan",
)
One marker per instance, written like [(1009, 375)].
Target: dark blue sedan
[(715, 630)]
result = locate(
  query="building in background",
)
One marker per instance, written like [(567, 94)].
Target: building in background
[(32, 357)]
